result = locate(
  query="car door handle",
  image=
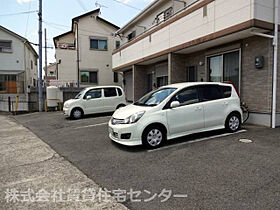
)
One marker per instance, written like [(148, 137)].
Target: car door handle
[(225, 103), (198, 108)]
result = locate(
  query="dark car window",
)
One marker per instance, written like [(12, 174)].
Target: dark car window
[(94, 93), (119, 91), (186, 96), (226, 91), (110, 92), (210, 92)]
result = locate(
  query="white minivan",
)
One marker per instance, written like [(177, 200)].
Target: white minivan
[(177, 110), (93, 100)]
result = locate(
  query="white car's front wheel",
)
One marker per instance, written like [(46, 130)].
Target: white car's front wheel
[(76, 114), (153, 136)]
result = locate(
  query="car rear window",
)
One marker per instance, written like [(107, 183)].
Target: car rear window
[(210, 92), (110, 92), (119, 91), (226, 91)]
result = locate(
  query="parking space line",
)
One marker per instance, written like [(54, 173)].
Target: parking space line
[(197, 140), (94, 125)]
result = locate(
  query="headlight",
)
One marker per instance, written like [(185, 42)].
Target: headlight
[(134, 118), (66, 105)]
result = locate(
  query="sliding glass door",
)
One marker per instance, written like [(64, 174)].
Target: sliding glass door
[(224, 68)]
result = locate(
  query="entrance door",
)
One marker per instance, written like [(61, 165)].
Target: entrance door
[(128, 86), (191, 74)]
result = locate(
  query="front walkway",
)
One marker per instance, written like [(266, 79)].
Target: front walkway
[(34, 176)]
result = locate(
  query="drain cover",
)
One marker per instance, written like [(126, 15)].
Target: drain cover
[(245, 141)]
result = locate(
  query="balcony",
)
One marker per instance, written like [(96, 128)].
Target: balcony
[(206, 23)]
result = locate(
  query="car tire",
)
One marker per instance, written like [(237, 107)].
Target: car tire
[(77, 113), (233, 122), (153, 136)]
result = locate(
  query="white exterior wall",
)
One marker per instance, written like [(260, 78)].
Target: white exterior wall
[(89, 60), (221, 14), (31, 72), (15, 60), (97, 60)]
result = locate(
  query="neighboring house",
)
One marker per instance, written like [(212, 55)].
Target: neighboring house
[(18, 67), (201, 40), (50, 73), (84, 54)]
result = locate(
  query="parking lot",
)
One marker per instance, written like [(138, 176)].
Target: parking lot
[(214, 169)]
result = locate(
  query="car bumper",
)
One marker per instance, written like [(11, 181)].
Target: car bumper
[(66, 111), (116, 131)]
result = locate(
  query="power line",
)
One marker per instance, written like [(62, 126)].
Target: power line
[(82, 5), (54, 25), (19, 13), (128, 5), (26, 27)]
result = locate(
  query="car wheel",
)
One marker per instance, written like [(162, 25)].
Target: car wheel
[(153, 137), (233, 122), (76, 114)]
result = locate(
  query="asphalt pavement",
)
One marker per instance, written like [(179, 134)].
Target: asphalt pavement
[(212, 170)]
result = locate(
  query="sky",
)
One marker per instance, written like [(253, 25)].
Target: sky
[(57, 16)]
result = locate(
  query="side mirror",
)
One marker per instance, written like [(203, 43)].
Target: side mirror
[(88, 97), (175, 104)]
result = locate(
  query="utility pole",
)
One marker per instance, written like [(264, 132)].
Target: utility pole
[(40, 58), (275, 65), (46, 57)]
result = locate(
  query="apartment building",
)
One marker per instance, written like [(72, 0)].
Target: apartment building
[(202, 40), (84, 54), (18, 69)]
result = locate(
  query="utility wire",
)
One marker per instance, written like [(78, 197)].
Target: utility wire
[(128, 5), (82, 5), (27, 22), (19, 13), (54, 25)]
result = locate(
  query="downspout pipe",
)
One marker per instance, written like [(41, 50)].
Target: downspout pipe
[(275, 64)]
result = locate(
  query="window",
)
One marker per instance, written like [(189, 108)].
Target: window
[(226, 91), (5, 46), (187, 96), (119, 91), (94, 93), (162, 81), (191, 74), (131, 35), (205, 11), (110, 92), (150, 82), (224, 67), (210, 92), (98, 44), (9, 84), (89, 77), (118, 44), (116, 77), (31, 64)]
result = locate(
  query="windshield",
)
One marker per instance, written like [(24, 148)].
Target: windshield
[(155, 97), (80, 94)]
